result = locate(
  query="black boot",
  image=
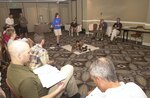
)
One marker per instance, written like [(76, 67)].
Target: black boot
[(77, 95)]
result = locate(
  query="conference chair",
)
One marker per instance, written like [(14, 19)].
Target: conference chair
[(138, 35), (12, 92), (92, 28)]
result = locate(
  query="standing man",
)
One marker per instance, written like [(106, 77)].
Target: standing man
[(56, 24), (9, 20), (103, 74), (23, 25)]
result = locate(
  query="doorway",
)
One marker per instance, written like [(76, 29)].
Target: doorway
[(15, 12)]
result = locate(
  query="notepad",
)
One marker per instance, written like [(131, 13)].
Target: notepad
[(49, 75)]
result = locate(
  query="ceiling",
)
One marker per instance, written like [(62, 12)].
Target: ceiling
[(34, 0)]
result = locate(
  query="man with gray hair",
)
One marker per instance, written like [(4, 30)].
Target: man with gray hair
[(103, 74)]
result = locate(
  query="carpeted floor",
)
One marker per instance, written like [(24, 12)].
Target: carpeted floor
[(132, 61)]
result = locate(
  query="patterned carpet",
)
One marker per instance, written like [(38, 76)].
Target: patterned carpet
[(132, 61)]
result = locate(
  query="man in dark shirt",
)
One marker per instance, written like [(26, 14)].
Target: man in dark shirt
[(73, 27), (116, 29)]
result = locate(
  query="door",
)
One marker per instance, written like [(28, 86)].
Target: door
[(16, 13)]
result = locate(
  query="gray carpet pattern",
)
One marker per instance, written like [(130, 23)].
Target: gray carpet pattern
[(132, 61)]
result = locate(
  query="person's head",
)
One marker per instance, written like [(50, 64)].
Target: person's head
[(57, 15), (102, 71), (11, 33), (39, 39), (118, 20), (10, 15), (19, 52)]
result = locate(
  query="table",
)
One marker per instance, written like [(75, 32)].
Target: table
[(126, 31), (41, 28)]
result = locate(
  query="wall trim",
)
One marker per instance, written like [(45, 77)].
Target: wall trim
[(146, 44), (112, 21)]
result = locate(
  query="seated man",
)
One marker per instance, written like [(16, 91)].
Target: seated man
[(116, 29), (39, 55), (103, 74), (101, 30), (73, 27), (26, 84)]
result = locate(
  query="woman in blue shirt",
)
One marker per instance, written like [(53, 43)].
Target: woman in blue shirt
[(56, 24)]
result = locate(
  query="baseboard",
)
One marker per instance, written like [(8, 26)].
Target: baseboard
[(146, 44)]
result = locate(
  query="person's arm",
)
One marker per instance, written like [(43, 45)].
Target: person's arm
[(28, 88), (44, 57), (60, 88)]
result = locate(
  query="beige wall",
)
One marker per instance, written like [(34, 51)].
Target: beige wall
[(32, 12), (127, 10), (4, 13), (131, 12)]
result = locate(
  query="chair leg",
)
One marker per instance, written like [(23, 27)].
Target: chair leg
[(135, 40)]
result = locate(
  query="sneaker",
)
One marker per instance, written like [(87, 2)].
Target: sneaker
[(58, 45)]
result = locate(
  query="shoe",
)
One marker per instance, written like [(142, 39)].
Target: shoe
[(77, 95), (93, 38), (58, 45), (99, 39)]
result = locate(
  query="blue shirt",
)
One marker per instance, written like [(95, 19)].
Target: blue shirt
[(56, 23)]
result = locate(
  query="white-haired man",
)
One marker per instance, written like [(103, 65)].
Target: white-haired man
[(103, 74), (26, 84)]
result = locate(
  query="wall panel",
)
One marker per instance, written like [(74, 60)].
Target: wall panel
[(30, 10)]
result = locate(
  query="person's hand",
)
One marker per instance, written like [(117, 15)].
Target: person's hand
[(61, 86), (50, 61)]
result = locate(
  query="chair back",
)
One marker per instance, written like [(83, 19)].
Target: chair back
[(5, 53), (95, 27), (11, 90), (90, 27)]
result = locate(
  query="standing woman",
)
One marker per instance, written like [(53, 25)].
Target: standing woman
[(56, 24)]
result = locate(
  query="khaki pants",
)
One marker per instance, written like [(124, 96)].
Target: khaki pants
[(115, 32), (70, 83)]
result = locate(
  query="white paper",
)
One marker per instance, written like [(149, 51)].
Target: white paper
[(96, 93), (49, 75)]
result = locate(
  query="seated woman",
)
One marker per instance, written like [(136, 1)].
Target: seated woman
[(5, 37), (73, 27)]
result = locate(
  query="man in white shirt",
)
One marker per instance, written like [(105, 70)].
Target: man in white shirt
[(103, 74), (10, 20)]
